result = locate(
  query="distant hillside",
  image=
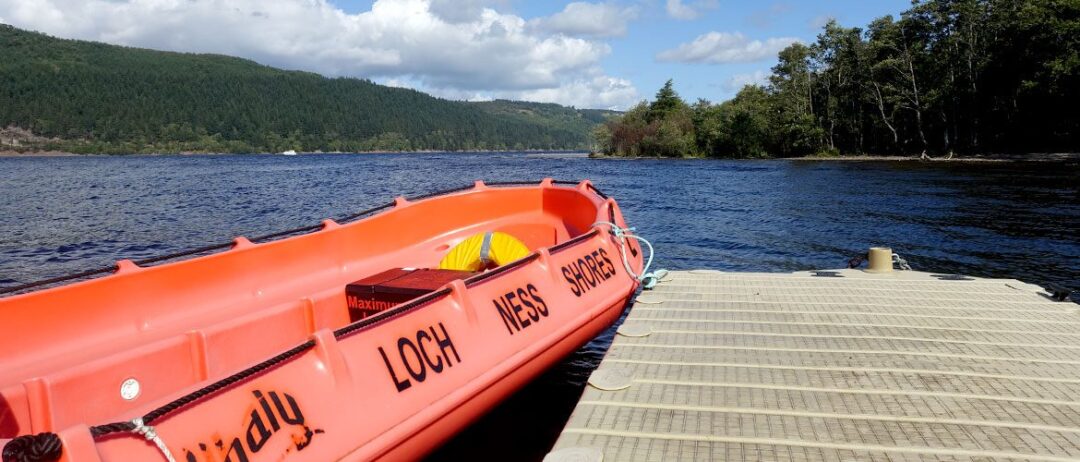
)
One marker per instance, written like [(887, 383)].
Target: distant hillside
[(91, 97), (547, 114)]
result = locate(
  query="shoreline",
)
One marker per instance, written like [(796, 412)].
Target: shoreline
[(12, 153), (1033, 157), (981, 158)]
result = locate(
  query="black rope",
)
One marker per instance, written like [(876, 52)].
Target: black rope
[(857, 260), (597, 191), (361, 214), (115, 427), (99, 431), (391, 313), (572, 242), (69, 277), (42, 447), (594, 189), (500, 270), (439, 193), (160, 412), (513, 183), (1059, 293), (184, 253), (287, 232)]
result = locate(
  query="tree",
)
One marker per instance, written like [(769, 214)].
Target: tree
[(792, 110), (663, 128), (666, 103), (744, 126)]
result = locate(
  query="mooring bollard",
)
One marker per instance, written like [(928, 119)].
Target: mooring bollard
[(880, 260)]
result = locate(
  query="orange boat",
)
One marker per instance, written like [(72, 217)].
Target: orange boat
[(253, 353)]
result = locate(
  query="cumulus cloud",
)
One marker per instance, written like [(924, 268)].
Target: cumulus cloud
[(725, 47), (397, 83), (589, 20), (459, 11), (738, 81), (679, 10), (598, 91), (438, 45), (465, 95)]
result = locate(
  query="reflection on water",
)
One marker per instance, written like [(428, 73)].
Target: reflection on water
[(60, 215)]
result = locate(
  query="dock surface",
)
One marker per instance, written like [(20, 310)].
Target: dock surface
[(848, 366)]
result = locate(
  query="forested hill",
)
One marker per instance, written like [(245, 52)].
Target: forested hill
[(92, 97)]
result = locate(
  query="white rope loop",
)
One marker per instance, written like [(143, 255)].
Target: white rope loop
[(621, 234), (151, 435), (900, 262)]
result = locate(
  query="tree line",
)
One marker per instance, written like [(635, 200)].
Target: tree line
[(945, 77), (95, 98)]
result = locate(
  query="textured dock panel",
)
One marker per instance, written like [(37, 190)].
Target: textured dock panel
[(856, 366)]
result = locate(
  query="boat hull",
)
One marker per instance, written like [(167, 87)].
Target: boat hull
[(391, 387)]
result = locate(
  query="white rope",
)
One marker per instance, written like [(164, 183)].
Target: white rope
[(621, 234), (900, 262), (151, 435)]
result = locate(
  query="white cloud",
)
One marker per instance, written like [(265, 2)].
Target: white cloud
[(589, 19), (397, 83), (460, 95), (460, 11), (435, 45), (598, 91), (738, 81), (725, 47), (678, 10)]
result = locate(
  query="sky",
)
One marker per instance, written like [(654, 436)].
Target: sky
[(591, 54)]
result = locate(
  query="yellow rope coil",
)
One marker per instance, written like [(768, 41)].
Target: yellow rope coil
[(473, 255)]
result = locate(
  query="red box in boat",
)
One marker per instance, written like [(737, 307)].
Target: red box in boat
[(393, 287)]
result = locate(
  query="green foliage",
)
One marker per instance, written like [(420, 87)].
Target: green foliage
[(744, 123), (964, 76), (91, 97), (667, 104), (664, 128)]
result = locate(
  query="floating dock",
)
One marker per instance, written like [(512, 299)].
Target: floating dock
[(836, 365)]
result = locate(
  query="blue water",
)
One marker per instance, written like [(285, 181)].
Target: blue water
[(61, 215)]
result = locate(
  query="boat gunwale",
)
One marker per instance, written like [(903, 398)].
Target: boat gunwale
[(119, 267)]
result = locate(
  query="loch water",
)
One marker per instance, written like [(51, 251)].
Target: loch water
[(1013, 220)]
